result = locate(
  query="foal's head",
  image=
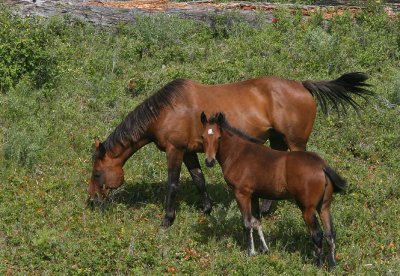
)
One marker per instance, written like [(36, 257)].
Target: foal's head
[(211, 136)]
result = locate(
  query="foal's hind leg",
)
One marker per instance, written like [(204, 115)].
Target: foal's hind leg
[(330, 234), (326, 219), (315, 231), (255, 210), (192, 163)]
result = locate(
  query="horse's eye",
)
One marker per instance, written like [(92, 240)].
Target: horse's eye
[(97, 174), (219, 138)]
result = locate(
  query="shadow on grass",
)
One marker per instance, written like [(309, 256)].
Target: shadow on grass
[(135, 195), (225, 219), (286, 235)]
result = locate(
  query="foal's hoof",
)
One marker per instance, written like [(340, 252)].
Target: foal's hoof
[(166, 222), (264, 251)]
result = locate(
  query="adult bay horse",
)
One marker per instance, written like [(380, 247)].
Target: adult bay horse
[(254, 171), (273, 108)]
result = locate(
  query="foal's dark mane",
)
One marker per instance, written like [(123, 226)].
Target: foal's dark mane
[(135, 124), (223, 123)]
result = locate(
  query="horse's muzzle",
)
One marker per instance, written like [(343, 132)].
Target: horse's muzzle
[(92, 203), (210, 163)]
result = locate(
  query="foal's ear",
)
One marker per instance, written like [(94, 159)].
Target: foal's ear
[(203, 118), (220, 118)]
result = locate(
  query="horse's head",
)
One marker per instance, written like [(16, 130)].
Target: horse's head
[(211, 136), (107, 174)]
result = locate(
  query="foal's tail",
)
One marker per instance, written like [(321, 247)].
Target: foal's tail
[(339, 184), (339, 91)]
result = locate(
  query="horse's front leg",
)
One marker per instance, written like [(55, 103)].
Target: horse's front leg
[(192, 163), (174, 160)]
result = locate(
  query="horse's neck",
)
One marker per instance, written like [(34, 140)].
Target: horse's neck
[(124, 152)]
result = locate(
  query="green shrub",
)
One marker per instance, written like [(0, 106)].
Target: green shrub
[(25, 49)]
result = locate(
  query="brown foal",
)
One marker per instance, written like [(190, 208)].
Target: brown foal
[(254, 171)]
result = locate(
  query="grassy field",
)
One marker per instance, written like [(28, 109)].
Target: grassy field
[(64, 82)]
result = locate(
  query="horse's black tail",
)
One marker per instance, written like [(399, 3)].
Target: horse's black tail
[(339, 92), (339, 184)]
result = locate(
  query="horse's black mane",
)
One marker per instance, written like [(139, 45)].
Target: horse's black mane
[(134, 125), (219, 118)]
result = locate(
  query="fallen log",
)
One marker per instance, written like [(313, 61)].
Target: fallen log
[(106, 13)]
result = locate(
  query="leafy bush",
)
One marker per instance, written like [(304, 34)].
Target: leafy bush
[(25, 49)]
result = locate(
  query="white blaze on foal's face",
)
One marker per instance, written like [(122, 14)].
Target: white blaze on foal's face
[(210, 131)]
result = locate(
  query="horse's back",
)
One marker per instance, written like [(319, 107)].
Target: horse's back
[(254, 106)]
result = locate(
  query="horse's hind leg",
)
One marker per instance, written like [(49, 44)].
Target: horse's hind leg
[(277, 142), (256, 223), (315, 231), (192, 163)]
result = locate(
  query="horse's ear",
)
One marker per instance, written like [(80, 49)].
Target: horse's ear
[(97, 142), (100, 148), (220, 118), (102, 151), (203, 118)]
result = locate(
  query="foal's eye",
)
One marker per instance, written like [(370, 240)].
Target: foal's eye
[(219, 138)]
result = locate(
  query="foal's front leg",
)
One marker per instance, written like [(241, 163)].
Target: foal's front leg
[(255, 221), (244, 203), (174, 159)]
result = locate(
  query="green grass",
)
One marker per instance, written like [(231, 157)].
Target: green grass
[(47, 130)]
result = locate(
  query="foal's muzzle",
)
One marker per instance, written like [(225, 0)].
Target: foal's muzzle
[(210, 163)]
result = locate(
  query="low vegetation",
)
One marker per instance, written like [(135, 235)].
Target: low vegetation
[(62, 82)]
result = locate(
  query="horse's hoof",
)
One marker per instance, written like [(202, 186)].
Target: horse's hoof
[(90, 203), (251, 253), (166, 222), (264, 251), (268, 207), (318, 263), (331, 266), (207, 208)]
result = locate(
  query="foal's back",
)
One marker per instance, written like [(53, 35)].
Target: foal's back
[(275, 174)]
